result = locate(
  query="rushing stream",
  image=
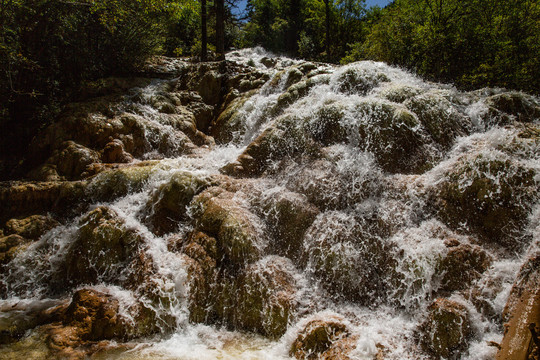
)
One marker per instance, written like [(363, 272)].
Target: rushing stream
[(359, 195)]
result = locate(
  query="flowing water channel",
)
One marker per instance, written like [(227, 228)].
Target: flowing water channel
[(356, 183)]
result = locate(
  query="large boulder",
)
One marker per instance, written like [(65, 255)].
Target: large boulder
[(288, 216), (492, 197), (507, 107), (104, 249), (170, 201), (463, 264), (395, 136), (348, 256), (98, 315), (237, 230), (446, 330), (266, 297), (440, 117)]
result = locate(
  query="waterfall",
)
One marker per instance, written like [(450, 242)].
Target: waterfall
[(357, 199)]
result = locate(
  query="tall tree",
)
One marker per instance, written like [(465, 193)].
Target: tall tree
[(220, 28), (327, 20), (204, 34)]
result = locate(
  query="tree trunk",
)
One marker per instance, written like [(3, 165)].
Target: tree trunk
[(204, 36), (327, 47), (220, 29)]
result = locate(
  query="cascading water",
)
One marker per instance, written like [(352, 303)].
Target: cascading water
[(358, 199)]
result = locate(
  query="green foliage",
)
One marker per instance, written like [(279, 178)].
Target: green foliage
[(472, 43)]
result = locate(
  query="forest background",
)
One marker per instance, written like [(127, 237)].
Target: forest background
[(50, 48)]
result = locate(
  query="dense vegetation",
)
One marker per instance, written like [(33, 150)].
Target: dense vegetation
[(472, 43), (48, 48)]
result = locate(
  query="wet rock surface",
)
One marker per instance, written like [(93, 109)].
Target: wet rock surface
[(205, 203)]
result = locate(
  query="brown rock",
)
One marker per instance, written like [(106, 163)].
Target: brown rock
[(31, 227), (114, 152), (318, 337), (522, 309), (446, 330)]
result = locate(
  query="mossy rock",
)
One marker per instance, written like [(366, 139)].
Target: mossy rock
[(440, 118), (102, 249), (462, 265), (97, 316), (297, 91), (446, 330), (235, 228), (22, 199), (267, 297), (230, 121), (360, 81), (288, 215), (400, 93), (170, 201), (492, 197), (115, 183), (348, 257), (318, 336), (71, 161), (31, 227), (506, 107), (326, 125), (395, 137), (10, 246)]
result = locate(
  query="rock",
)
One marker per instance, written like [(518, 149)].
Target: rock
[(320, 338), (357, 80), (399, 93), (285, 138), (268, 62), (439, 116), (236, 229), (522, 309), (492, 197), (503, 108), (21, 199), (97, 316), (446, 330), (462, 265), (114, 183), (114, 152), (395, 137), (104, 249), (9, 247), (288, 215), (210, 87), (231, 122), (326, 125), (169, 202), (348, 257), (31, 227), (266, 297)]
